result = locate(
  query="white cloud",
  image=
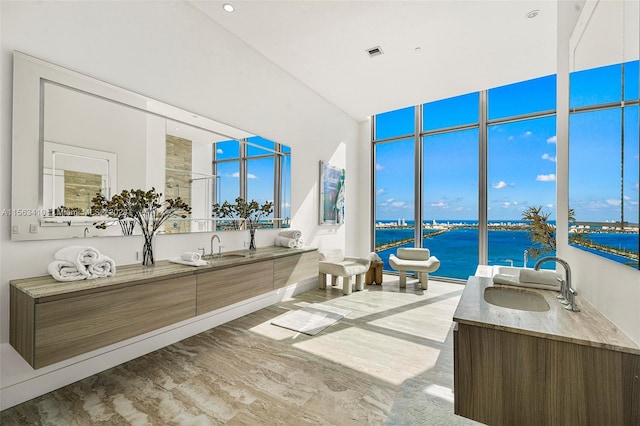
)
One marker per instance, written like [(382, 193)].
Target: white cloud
[(219, 151), (379, 167), (506, 204), (380, 191), (440, 204), (528, 133), (236, 175), (546, 178), (553, 139), (551, 158), (613, 202), (549, 206), (251, 176), (499, 185)]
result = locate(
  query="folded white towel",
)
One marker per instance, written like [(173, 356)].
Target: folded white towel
[(285, 242), (181, 261), (80, 255), (62, 270), (291, 233), (103, 267), (505, 279), (539, 277), (190, 256)]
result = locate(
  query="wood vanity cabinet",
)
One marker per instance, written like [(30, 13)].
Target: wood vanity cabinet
[(48, 330), (506, 378), (227, 286), (52, 321)]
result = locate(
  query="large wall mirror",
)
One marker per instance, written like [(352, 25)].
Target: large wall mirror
[(75, 136), (604, 167)]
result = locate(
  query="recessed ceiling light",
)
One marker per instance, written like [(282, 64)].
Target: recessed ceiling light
[(228, 7), (418, 48), (532, 14)]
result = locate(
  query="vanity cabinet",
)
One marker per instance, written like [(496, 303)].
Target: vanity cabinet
[(49, 331), (505, 378), (227, 286), (51, 321), (519, 367)]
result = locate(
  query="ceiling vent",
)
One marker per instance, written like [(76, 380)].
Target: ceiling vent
[(375, 51)]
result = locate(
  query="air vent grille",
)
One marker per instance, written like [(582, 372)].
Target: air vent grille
[(375, 51)]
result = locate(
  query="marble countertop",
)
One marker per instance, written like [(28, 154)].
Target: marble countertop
[(45, 288), (587, 327)]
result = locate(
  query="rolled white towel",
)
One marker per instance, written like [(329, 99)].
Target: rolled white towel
[(62, 270), (291, 233), (103, 267), (299, 243), (80, 255), (285, 242), (539, 277), (190, 256)]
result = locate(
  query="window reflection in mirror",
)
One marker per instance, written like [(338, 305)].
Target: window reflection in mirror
[(604, 172)]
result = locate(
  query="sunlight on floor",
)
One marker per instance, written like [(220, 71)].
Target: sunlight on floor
[(385, 357)]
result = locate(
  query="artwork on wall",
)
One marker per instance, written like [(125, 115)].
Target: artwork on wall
[(331, 194)]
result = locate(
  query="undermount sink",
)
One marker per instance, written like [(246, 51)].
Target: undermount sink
[(515, 299), (221, 257)]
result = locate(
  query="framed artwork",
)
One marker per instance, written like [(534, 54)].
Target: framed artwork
[(331, 194)]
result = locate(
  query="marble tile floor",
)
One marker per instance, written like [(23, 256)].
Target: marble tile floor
[(390, 361)]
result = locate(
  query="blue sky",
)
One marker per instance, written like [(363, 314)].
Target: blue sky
[(521, 155)]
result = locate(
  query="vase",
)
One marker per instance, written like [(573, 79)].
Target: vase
[(252, 240), (147, 250)]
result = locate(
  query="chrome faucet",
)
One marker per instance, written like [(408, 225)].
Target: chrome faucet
[(526, 258), (567, 293), (215, 236)]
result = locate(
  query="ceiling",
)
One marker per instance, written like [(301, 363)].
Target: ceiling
[(433, 49)]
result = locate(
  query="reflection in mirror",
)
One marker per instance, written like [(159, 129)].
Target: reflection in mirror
[(90, 137), (604, 146)]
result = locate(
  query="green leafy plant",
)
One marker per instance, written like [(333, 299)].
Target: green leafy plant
[(541, 233), (250, 211), (145, 207)]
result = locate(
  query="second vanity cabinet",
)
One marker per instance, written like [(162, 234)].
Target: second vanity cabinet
[(514, 367), (51, 321)]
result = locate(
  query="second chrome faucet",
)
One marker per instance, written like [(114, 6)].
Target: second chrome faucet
[(567, 293), (214, 237)]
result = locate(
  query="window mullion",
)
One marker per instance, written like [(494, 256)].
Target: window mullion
[(483, 238)]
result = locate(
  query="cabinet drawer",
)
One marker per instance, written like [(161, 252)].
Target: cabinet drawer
[(231, 285), (293, 269), (69, 327)]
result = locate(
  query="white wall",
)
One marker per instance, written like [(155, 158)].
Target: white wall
[(612, 288), (171, 52)]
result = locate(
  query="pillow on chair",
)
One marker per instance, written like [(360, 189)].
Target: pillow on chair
[(414, 253)]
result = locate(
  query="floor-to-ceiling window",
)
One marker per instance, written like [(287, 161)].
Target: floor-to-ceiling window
[(394, 158), (476, 163)]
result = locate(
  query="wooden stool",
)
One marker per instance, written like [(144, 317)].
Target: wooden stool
[(374, 274)]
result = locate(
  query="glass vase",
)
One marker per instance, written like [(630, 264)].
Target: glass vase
[(147, 250)]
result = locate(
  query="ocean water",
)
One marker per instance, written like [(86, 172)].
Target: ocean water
[(457, 249)]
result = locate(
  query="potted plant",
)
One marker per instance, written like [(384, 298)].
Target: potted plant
[(145, 208), (250, 212)]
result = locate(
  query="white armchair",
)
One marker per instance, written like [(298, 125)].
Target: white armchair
[(336, 264), (418, 260)]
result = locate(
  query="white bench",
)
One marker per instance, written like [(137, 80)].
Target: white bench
[(418, 260), (334, 263)]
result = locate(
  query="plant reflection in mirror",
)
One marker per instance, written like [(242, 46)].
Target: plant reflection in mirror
[(250, 213), (146, 208)]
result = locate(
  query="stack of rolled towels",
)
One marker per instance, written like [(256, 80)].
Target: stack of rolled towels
[(76, 263), (290, 238)]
